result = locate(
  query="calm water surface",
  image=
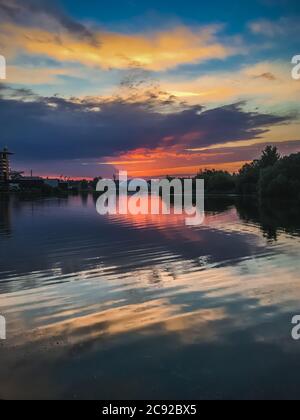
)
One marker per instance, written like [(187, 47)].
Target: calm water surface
[(145, 307)]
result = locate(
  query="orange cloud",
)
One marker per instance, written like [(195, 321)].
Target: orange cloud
[(173, 161), (157, 51), (267, 83), (34, 76), (186, 170)]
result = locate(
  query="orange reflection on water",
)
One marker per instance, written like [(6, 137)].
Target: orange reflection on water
[(156, 316)]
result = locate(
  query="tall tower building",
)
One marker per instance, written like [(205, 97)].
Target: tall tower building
[(4, 165)]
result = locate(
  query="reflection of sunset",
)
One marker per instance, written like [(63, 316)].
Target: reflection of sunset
[(164, 221), (133, 318), (149, 202), (134, 292)]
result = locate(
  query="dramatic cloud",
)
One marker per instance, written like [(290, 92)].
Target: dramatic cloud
[(154, 51), (154, 120), (55, 128)]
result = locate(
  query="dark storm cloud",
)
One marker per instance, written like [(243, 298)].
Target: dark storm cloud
[(31, 11), (55, 128), (219, 125)]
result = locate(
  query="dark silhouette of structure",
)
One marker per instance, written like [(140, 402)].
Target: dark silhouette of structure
[(4, 165)]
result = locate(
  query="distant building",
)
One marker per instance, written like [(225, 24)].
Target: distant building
[(15, 181), (15, 175), (53, 183), (57, 183), (30, 182), (4, 165)]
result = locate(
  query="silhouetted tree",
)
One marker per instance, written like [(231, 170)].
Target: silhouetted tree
[(282, 179), (249, 176), (84, 185), (270, 157), (95, 182), (218, 181)]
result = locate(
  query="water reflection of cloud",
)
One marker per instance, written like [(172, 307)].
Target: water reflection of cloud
[(146, 341), (113, 305), (141, 319), (99, 246)]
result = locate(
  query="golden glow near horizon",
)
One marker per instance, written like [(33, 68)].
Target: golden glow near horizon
[(83, 66)]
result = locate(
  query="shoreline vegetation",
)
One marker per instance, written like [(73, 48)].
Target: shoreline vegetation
[(269, 177)]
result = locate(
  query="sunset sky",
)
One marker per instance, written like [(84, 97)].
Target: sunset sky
[(152, 87)]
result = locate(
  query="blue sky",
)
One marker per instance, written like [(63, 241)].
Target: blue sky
[(128, 13), (131, 16), (204, 64)]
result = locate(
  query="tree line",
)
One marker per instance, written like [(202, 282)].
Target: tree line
[(270, 176)]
